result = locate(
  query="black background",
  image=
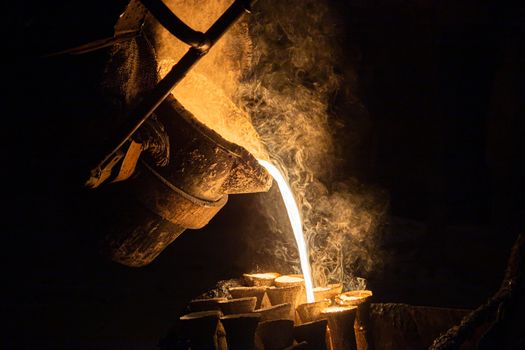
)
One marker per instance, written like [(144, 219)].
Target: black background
[(443, 82)]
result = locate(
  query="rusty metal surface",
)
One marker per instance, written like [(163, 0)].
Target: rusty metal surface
[(149, 215), (186, 170), (203, 163), (188, 191), (134, 236), (409, 327), (171, 203)]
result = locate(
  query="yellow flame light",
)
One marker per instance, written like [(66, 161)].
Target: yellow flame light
[(297, 226)]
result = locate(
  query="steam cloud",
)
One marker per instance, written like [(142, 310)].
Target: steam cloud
[(290, 94), (281, 77)]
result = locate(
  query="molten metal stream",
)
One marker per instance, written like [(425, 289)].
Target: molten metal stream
[(297, 226)]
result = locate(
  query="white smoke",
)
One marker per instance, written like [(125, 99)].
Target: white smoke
[(290, 95)]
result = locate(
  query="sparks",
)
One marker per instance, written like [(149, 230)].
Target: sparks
[(297, 226)]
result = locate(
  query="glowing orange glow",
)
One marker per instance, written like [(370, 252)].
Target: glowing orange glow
[(286, 279), (297, 226), (353, 297), (267, 275), (338, 309)]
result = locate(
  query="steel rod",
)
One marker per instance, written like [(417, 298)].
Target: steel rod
[(174, 24)]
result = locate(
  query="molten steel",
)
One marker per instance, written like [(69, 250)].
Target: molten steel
[(297, 226)]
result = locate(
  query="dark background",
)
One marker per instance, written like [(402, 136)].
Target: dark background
[(443, 83)]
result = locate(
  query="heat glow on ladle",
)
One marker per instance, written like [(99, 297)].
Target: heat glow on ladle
[(297, 226)]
